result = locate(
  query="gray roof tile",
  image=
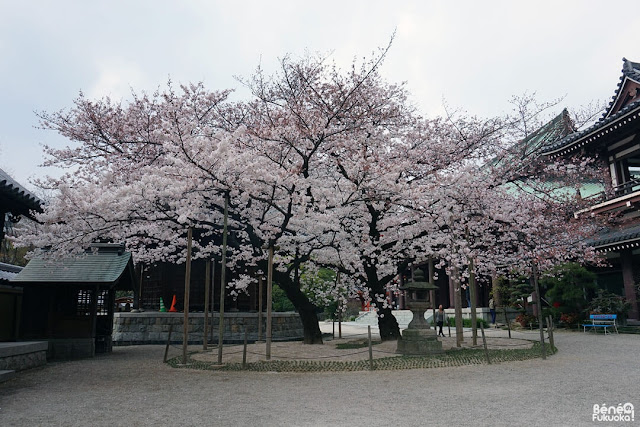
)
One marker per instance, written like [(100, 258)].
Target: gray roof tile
[(104, 266), (15, 197)]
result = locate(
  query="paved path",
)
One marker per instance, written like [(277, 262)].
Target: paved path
[(131, 387)]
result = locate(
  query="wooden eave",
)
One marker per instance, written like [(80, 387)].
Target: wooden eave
[(622, 125), (626, 201)]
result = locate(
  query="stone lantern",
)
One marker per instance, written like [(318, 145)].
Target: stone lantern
[(419, 338)]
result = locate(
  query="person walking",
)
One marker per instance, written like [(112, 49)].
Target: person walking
[(440, 316)]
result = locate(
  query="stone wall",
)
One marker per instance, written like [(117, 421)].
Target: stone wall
[(17, 356), (152, 327)]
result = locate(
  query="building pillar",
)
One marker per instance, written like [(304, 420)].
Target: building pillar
[(626, 258)]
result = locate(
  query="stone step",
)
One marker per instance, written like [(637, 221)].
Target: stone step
[(403, 317), (6, 375)]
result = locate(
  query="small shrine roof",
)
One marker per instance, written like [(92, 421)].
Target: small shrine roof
[(104, 264)]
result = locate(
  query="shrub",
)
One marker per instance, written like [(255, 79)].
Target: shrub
[(569, 287), (525, 320), (607, 302), (467, 322), (570, 319)]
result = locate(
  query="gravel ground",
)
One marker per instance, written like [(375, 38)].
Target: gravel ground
[(133, 387)]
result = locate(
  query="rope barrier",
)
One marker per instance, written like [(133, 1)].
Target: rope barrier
[(492, 335)]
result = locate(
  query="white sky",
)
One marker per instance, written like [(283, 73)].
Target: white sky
[(473, 54)]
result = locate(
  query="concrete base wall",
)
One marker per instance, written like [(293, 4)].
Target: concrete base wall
[(404, 317), (71, 348), (153, 327)]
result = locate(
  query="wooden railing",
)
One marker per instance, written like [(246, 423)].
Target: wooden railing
[(627, 187)]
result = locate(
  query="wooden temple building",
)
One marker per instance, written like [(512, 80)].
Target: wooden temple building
[(70, 302), (615, 139)]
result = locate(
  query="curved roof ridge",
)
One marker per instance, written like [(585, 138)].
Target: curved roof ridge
[(630, 70)]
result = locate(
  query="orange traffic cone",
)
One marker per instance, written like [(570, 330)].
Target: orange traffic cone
[(173, 305), (162, 307)]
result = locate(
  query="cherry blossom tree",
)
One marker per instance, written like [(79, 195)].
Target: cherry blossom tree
[(331, 168)]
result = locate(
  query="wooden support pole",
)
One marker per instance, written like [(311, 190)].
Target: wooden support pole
[(472, 299), (94, 316), (370, 348), (550, 332), (137, 296), (484, 344), (457, 306), (187, 285), (211, 303), (339, 310), (223, 271), (269, 302), (506, 320), (536, 287), (166, 349), (244, 350), (207, 279), (432, 295), (260, 298)]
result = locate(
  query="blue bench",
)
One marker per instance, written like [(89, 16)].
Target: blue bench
[(604, 321)]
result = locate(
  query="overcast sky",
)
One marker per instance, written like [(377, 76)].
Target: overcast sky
[(473, 54)]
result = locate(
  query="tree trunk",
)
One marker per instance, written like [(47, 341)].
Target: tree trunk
[(474, 316), (388, 325), (457, 305), (538, 301), (306, 310), (309, 318)]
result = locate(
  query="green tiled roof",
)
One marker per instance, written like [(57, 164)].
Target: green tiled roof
[(104, 266), (555, 129)]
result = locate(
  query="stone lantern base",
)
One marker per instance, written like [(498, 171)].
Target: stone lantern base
[(419, 339), (419, 342)]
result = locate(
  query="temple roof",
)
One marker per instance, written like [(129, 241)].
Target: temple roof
[(555, 129), (617, 239), (15, 198), (621, 112)]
